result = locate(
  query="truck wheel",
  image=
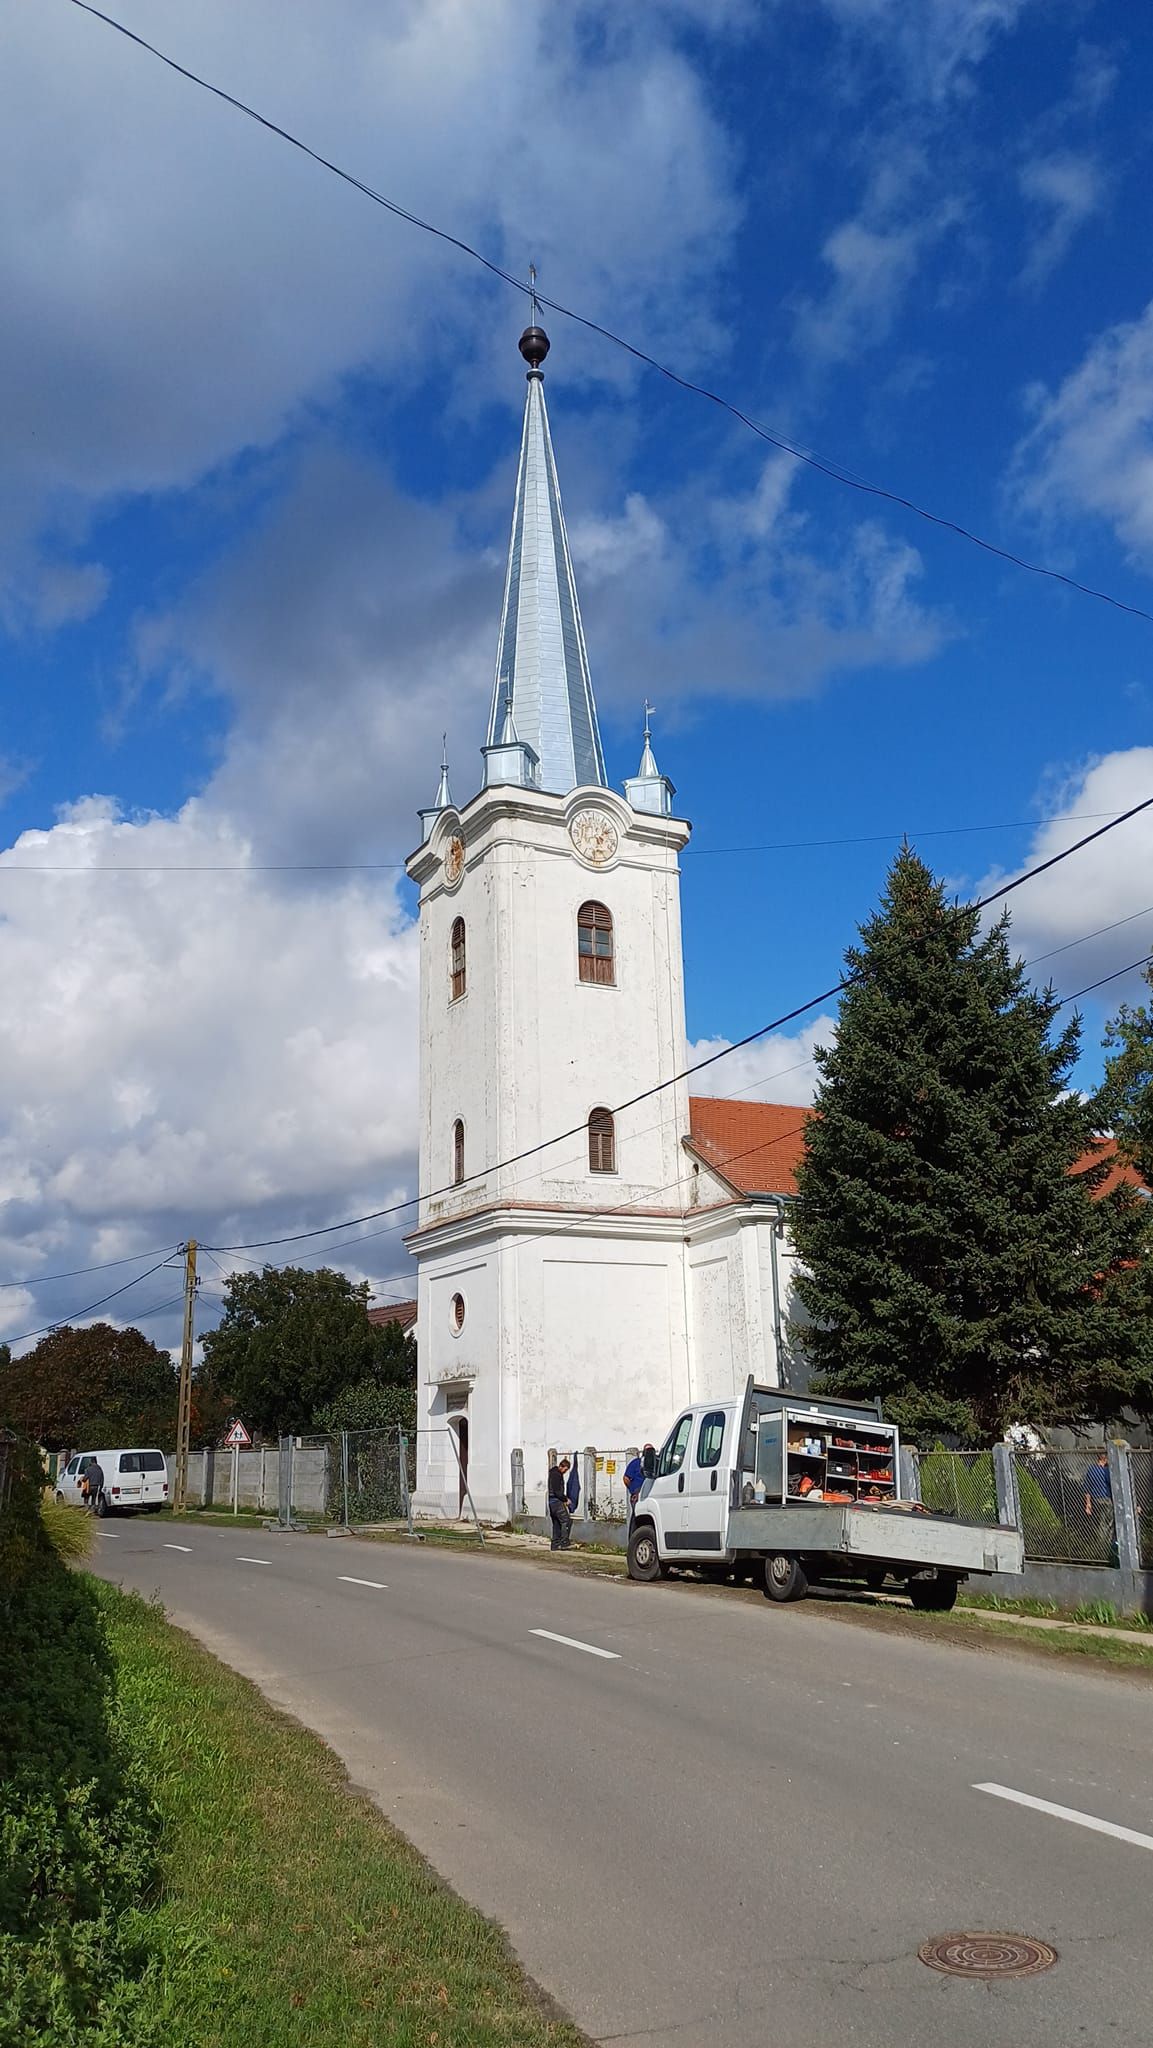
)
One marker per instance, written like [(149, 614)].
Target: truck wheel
[(785, 1577), (644, 1557), (933, 1596)]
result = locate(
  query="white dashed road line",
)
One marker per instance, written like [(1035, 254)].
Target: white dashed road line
[(571, 1643), (1081, 1820), (254, 1560), (377, 1585), (185, 1547)]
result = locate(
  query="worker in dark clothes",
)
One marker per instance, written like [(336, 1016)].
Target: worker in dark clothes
[(572, 1487), (558, 1513), (95, 1478)]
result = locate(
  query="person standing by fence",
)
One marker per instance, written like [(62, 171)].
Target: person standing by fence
[(558, 1510), (1099, 1503)]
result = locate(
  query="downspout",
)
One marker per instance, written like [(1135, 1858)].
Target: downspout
[(775, 1233)]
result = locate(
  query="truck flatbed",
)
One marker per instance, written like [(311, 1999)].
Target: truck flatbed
[(880, 1535)]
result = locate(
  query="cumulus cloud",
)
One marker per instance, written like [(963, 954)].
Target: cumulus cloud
[(179, 284), (779, 1068), (1064, 191), (872, 257), (1110, 884), (1090, 448), (193, 1052)]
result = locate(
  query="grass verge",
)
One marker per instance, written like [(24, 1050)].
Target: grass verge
[(306, 1916)]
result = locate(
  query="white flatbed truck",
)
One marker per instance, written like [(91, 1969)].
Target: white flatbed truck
[(792, 1491)]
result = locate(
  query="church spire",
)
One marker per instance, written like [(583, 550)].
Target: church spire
[(542, 680), (648, 789)]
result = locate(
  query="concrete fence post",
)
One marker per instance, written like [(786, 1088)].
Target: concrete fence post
[(1125, 1523), (284, 1484), (909, 1473), (589, 1482), (1005, 1480), (517, 1502)]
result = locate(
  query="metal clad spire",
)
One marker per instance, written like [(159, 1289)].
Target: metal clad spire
[(542, 672)]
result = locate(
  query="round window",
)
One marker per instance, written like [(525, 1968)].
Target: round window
[(456, 1309)]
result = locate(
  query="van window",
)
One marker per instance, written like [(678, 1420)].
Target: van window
[(672, 1456), (130, 1461), (152, 1461), (711, 1438), (72, 1468)]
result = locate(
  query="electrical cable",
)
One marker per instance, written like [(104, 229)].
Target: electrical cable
[(75, 1272), (775, 1024), (398, 867), (74, 1315), (824, 465)]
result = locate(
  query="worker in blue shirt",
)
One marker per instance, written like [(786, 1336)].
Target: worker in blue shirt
[(1099, 1502), (636, 1472)]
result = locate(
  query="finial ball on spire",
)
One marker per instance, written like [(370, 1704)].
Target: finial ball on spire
[(534, 346)]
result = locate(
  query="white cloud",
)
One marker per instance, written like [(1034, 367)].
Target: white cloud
[(1108, 882), (180, 284), (935, 45), (1065, 190), (1090, 449), (873, 256), (779, 1068), (192, 1052)]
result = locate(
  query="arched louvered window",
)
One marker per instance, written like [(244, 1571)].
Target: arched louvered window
[(595, 943), (457, 1152), (602, 1142), (457, 958)]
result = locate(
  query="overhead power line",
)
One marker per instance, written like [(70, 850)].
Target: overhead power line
[(825, 465), (74, 1315), (775, 1024), (357, 867), (76, 1272)]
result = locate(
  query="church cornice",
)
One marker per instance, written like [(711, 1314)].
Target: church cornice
[(567, 1218)]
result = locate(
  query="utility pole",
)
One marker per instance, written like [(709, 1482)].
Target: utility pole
[(184, 1401)]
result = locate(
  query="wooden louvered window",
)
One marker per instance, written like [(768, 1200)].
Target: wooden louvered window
[(457, 1152), (595, 943), (602, 1142), (457, 958)]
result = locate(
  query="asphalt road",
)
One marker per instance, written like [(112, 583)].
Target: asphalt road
[(707, 1822)]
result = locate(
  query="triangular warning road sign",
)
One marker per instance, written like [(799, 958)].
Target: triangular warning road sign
[(238, 1435)]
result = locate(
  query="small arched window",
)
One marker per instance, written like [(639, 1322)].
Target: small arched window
[(457, 1153), (602, 1142), (595, 943), (457, 958)]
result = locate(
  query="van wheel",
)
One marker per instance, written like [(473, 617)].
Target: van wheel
[(644, 1557), (59, 1500), (933, 1596), (102, 1507), (785, 1577)]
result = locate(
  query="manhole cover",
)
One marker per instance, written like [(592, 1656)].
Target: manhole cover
[(987, 1955)]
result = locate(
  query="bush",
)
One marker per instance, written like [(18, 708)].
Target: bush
[(78, 1830)]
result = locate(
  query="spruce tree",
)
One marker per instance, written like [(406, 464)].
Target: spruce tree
[(954, 1262)]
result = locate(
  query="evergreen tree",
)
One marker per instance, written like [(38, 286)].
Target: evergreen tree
[(1124, 1104), (954, 1262)]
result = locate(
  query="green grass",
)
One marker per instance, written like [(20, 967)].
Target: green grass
[(1101, 1613), (291, 1911)]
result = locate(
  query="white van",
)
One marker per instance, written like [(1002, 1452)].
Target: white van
[(132, 1479)]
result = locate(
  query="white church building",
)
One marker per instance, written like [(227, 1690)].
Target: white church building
[(594, 1247)]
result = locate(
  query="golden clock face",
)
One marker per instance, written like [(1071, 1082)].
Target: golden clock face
[(595, 837), (454, 859)]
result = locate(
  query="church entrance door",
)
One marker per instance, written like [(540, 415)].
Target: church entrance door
[(459, 1427)]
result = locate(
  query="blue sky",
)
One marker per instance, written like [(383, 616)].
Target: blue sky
[(260, 445)]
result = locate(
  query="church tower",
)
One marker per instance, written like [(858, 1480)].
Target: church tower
[(550, 1237)]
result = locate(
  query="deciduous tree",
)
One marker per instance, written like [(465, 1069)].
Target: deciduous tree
[(89, 1388), (290, 1340)]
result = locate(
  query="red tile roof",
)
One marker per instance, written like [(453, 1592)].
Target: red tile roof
[(756, 1145), (402, 1312), (759, 1145)]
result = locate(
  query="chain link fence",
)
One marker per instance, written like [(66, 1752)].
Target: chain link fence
[(960, 1483), (1066, 1508), (1141, 1473)]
